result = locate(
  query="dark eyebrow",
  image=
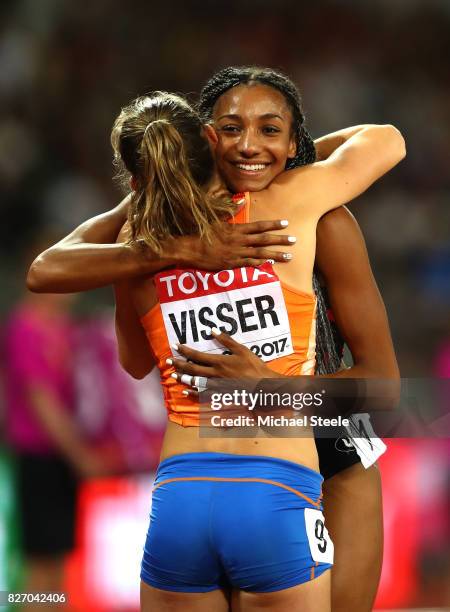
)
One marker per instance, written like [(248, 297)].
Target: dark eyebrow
[(271, 116), (263, 117), (236, 117)]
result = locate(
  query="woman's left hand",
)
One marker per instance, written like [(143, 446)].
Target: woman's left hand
[(241, 363)]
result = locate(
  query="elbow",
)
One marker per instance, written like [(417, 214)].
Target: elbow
[(395, 387), (37, 280), (394, 143), (391, 397), (137, 374), (380, 371), (136, 371), (387, 385)]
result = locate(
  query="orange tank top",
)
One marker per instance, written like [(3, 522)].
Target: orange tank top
[(274, 320)]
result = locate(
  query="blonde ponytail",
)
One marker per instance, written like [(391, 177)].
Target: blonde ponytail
[(169, 200)]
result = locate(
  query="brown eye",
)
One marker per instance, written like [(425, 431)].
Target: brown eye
[(229, 128), (271, 129)]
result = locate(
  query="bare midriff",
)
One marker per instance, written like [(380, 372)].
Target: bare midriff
[(179, 440)]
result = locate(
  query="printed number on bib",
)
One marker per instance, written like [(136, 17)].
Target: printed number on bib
[(246, 303), (320, 544)]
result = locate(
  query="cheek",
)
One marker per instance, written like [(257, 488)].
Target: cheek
[(281, 153), (220, 152)]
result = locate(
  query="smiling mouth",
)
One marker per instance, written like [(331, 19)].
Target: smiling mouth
[(251, 167)]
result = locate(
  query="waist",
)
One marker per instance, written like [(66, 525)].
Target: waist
[(268, 442), (226, 467)]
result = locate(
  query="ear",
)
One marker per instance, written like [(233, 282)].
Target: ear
[(292, 150), (133, 183), (211, 135)]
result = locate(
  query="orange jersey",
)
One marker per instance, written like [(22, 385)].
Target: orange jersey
[(274, 320)]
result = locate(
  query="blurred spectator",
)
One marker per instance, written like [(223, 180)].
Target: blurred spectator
[(41, 430)]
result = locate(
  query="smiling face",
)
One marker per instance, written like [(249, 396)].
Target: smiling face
[(255, 137)]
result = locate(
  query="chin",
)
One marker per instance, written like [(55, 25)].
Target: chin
[(237, 183), (256, 186), (249, 185)]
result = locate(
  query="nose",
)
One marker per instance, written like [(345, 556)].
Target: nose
[(249, 145)]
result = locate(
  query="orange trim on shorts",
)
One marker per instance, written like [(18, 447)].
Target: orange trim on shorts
[(313, 570), (263, 480)]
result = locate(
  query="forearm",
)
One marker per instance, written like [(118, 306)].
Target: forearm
[(89, 257), (84, 259), (135, 355), (68, 268), (382, 390), (326, 145)]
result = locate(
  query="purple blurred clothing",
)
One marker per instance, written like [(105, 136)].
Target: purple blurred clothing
[(442, 361), (39, 352)]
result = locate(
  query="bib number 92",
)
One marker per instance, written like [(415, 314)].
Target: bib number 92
[(320, 544)]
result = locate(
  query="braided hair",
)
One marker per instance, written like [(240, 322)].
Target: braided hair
[(328, 342), (227, 78)]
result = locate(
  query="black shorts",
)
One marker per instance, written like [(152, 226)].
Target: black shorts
[(334, 455), (47, 489)]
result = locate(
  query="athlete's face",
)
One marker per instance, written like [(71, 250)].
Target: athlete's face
[(254, 129)]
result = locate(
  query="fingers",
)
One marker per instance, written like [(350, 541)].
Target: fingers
[(227, 341), (265, 254), (186, 367), (256, 227), (255, 240), (192, 393), (197, 356), (255, 261)]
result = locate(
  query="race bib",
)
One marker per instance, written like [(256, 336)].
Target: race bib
[(320, 544), (246, 303), (366, 442)]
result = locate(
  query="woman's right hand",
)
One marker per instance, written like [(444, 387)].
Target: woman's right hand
[(236, 245)]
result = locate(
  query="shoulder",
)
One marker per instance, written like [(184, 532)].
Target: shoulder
[(339, 227), (310, 190), (341, 252), (337, 220)]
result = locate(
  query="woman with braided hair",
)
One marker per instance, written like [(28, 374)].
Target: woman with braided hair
[(352, 493), (365, 152), (328, 354)]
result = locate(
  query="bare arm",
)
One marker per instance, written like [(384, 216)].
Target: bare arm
[(365, 155), (326, 145), (355, 300), (135, 355), (89, 258)]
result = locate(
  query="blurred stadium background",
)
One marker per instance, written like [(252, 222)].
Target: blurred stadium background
[(65, 70)]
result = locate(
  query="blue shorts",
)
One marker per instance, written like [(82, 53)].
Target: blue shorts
[(246, 522)]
